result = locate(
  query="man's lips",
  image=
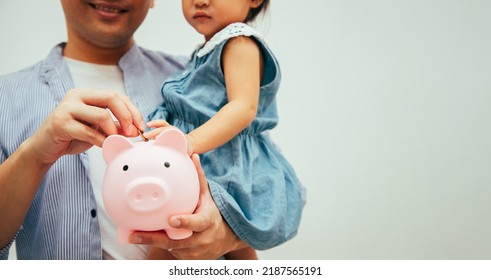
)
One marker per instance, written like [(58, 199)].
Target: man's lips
[(108, 9)]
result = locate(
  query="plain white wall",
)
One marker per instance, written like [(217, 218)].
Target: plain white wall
[(385, 114)]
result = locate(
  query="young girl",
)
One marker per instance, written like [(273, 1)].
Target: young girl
[(224, 101)]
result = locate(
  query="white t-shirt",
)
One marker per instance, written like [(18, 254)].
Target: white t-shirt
[(104, 77)]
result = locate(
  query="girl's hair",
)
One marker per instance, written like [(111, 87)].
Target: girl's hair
[(253, 13)]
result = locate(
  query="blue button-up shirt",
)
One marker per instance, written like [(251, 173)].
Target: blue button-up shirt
[(62, 222)]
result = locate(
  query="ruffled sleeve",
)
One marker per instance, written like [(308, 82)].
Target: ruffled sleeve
[(232, 30)]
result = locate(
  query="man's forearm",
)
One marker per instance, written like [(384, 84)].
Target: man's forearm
[(20, 176)]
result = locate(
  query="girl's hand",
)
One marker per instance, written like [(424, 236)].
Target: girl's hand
[(159, 126)]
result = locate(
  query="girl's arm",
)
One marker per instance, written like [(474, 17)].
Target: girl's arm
[(242, 65)]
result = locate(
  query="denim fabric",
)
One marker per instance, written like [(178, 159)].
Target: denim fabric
[(254, 186)]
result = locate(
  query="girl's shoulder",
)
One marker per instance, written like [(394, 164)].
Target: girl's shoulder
[(231, 31)]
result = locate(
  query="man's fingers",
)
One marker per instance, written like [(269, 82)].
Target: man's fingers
[(121, 112), (137, 118), (97, 117), (84, 133), (120, 106), (148, 237), (158, 239), (195, 222)]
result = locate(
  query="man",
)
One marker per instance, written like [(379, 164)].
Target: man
[(49, 200)]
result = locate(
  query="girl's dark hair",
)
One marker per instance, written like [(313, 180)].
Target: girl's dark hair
[(253, 13)]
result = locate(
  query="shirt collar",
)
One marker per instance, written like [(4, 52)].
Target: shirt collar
[(55, 58), (53, 61)]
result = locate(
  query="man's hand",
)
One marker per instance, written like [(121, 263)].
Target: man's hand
[(81, 120), (78, 122), (212, 237)]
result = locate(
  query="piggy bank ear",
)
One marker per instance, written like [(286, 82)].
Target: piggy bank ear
[(173, 137), (113, 145)]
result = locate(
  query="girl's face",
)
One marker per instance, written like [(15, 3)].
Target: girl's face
[(210, 16)]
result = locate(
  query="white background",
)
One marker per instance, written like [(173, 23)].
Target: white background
[(384, 109)]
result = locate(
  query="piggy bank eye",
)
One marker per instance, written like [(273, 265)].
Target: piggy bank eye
[(166, 164), (125, 167)]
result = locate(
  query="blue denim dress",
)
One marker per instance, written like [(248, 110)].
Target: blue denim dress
[(256, 188)]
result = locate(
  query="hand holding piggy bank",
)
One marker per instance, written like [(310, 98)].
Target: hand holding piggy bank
[(147, 182)]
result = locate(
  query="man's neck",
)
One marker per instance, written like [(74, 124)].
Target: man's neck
[(94, 54)]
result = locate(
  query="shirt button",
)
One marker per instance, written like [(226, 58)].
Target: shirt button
[(93, 213)]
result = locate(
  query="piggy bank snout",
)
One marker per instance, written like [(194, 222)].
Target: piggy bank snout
[(147, 194)]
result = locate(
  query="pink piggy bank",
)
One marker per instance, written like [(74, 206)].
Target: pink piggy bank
[(147, 182)]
